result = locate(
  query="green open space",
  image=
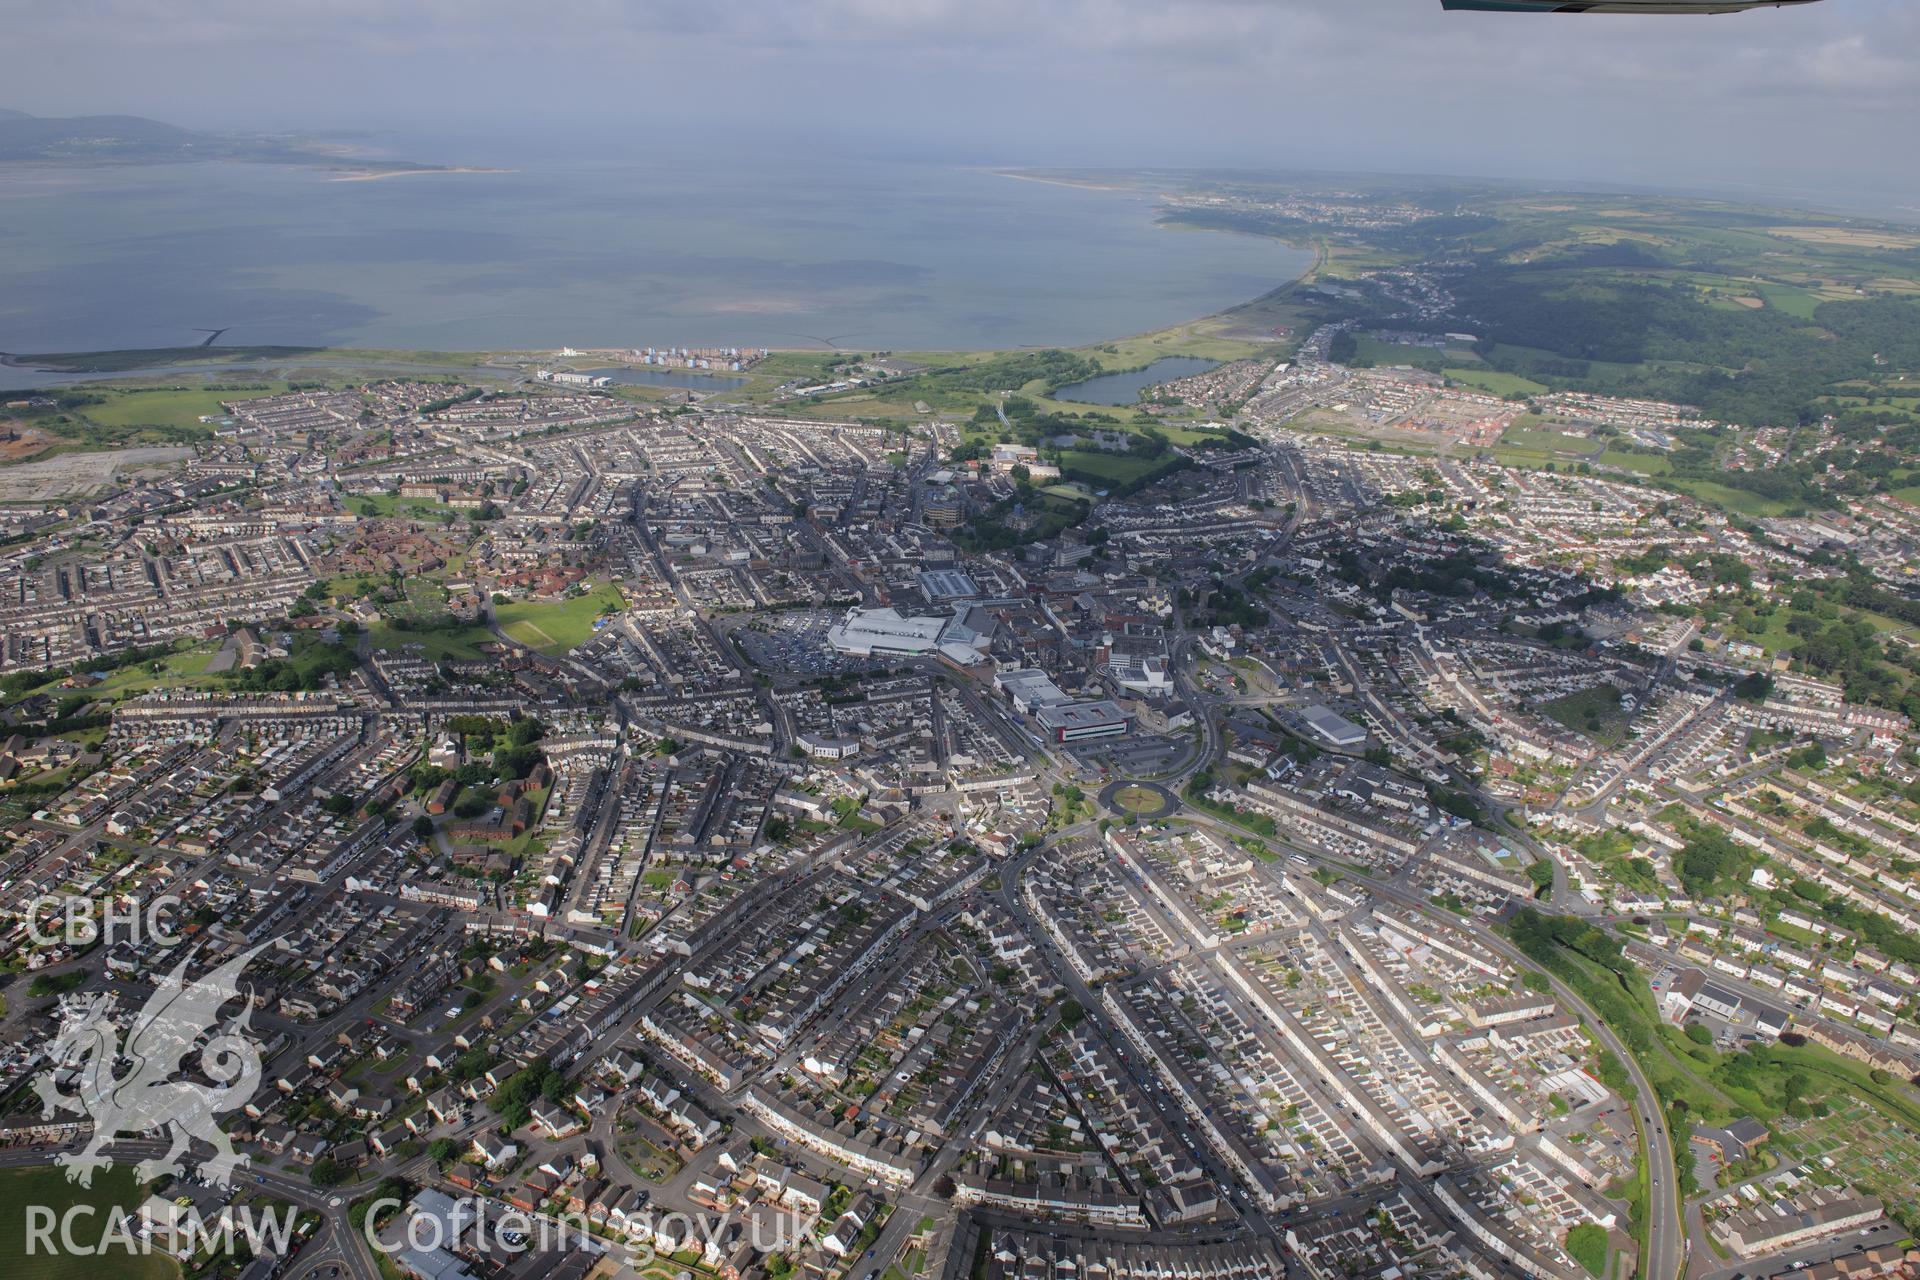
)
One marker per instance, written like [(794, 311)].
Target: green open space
[(99, 417), (908, 1267), (461, 645), (1739, 501), (1646, 464), (47, 1186), (1258, 823), (1202, 338), (1595, 712), (554, 627), (1853, 1142), (187, 669), (388, 506), (1547, 440), (167, 407), (1371, 350), (1636, 1192), (1537, 447), (1778, 1084), (1494, 382), (646, 1159), (1641, 296), (1110, 468), (184, 668), (1137, 799), (1793, 301)]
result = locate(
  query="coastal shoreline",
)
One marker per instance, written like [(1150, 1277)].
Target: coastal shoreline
[(1062, 182), (374, 175), (112, 365)]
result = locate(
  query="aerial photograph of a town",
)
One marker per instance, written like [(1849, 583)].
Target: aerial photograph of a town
[(957, 640)]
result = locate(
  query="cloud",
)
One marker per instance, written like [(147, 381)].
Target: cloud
[(1818, 89), (1856, 65)]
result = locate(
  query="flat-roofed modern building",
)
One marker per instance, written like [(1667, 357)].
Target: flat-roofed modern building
[(947, 584), (866, 632), (870, 633), (1334, 728), (1029, 690), (1717, 1000), (1078, 721)]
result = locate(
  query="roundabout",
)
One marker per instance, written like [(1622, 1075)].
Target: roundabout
[(1148, 800)]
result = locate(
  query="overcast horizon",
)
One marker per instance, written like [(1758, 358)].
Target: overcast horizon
[(1814, 104)]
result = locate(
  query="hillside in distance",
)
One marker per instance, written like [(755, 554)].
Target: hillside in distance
[(121, 139)]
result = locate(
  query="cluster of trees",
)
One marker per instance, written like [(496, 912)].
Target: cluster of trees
[(55, 984), (1456, 575), (391, 1187), (1711, 862), (1195, 794), (1721, 569), (523, 1088), (1052, 367), (447, 402), (1225, 605), (514, 753), (310, 663), (1652, 560), (436, 622), (1834, 640), (1849, 651), (1791, 1091), (16, 683), (1541, 874), (993, 529), (477, 726), (1587, 1244), (1457, 803), (1588, 958), (1757, 367), (1876, 929), (1228, 439), (1811, 756), (1563, 635), (309, 602)]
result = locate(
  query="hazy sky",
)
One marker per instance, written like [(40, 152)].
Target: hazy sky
[(1820, 102)]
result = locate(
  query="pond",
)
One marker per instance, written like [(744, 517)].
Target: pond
[(1125, 388)]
